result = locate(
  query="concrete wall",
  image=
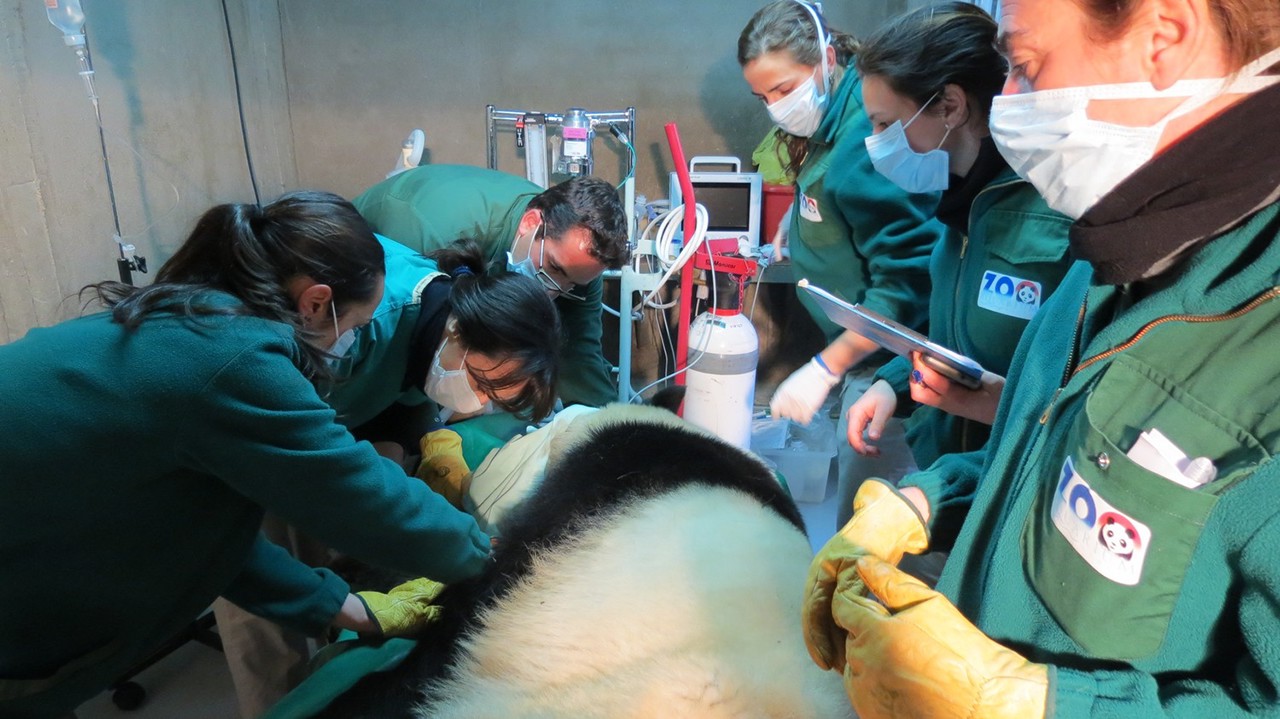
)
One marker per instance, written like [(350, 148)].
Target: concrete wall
[(168, 104), (361, 75), (330, 88)]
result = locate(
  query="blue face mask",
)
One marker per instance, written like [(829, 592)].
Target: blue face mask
[(913, 171), (525, 267), (343, 340), (538, 272)]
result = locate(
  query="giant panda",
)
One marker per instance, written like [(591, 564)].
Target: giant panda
[(656, 571)]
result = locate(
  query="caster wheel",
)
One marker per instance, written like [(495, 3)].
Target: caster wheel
[(129, 696)]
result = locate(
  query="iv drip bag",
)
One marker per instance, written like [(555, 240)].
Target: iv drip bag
[(67, 16)]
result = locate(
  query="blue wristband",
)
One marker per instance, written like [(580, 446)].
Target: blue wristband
[(818, 358)]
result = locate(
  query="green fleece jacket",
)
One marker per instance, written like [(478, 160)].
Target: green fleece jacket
[(1145, 597), (854, 233), (136, 469), (987, 284), (429, 207)]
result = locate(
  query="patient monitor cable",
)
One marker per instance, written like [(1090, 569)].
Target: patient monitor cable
[(663, 242), (622, 137)]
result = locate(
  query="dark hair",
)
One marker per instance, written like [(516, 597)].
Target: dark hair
[(591, 203), (920, 52), (785, 26), (252, 252), (506, 316), (1249, 28)]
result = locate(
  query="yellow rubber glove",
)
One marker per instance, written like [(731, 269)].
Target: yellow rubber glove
[(917, 656), (442, 466), (884, 524), (405, 609)]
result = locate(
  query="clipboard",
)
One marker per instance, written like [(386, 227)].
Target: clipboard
[(895, 337)]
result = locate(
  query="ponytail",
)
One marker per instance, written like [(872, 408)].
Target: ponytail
[(252, 253)]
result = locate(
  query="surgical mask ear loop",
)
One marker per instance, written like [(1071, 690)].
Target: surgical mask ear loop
[(945, 135), (334, 309), (1247, 79), (932, 97), (822, 48), (533, 237)]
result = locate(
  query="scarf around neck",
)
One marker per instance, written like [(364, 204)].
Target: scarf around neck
[(1195, 190)]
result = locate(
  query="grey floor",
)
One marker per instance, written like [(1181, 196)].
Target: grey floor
[(191, 683)]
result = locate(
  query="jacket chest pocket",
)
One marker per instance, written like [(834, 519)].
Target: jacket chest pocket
[(1108, 542), (1025, 257)]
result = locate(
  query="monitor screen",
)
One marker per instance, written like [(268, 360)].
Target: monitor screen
[(728, 204)]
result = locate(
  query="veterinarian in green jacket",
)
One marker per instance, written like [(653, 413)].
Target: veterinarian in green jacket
[(1117, 554), (565, 236), (140, 447)]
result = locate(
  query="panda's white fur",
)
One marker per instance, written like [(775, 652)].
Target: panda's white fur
[(681, 605)]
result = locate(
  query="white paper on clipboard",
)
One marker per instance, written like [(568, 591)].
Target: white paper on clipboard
[(894, 337)]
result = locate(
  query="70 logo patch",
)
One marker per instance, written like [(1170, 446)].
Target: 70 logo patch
[(1009, 295)]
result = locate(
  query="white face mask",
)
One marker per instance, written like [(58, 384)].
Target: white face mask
[(1048, 139), (800, 111), (342, 344), (913, 171), (450, 388)]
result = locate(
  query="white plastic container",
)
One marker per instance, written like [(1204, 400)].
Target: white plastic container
[(721, 380), (801, 454)]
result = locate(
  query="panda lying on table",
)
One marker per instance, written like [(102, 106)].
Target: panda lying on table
[(655, 571)]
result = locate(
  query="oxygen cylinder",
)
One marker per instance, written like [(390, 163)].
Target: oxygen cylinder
[(720, 384)]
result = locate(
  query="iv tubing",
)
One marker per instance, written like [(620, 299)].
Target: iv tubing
[(86, 72)]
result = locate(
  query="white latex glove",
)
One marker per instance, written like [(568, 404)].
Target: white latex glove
[(800, 396), (780, 236)]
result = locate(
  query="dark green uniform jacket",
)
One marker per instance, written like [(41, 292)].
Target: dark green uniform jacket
[(136, 467), (988, 281), (1147, 596), (854, 233), (429, 207)]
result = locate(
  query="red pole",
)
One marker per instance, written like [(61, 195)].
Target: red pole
[(686, 272)]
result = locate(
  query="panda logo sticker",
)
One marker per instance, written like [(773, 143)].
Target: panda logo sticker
[(1112, 542), (809, 208), (1118, 535), (1009, 295)]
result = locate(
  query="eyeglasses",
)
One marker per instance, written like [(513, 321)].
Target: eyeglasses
[(548, 282)]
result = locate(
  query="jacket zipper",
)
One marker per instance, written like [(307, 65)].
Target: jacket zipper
[(1253, 304)]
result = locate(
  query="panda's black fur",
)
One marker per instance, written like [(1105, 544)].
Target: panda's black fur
[(621, 458)]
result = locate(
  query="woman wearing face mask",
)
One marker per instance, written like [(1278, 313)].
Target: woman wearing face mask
[(443, 343), (852, 233), (1117, 555), (1006, 250), (141, 445), (439, 308)]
